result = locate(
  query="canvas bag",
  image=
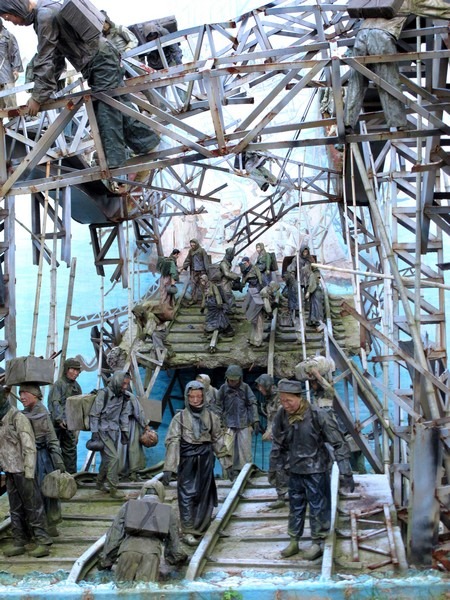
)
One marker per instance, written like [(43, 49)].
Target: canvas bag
[(59, 485), (147, 518)]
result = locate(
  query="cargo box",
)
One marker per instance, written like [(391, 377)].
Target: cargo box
[(30, 369), (77, 411), (373, 9), (83, 17), (147, 518)]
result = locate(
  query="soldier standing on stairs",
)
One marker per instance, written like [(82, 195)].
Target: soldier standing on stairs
[(109, 420), (300, 432)]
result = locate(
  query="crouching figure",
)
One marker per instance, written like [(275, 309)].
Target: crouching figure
[(142, 530)]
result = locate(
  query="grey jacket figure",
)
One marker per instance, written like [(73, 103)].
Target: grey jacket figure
[(10, 65), (18, 462), (138, 557), (96, 59), (109, 422)]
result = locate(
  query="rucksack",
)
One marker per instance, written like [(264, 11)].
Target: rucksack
[(163, 266), (83, 17), (214, 272)]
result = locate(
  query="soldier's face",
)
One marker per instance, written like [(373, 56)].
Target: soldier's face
[(195, 398), (28, 400), (234, 383), (72, 373), (125, 384), (290, 402), (261, 389), (13, 19)]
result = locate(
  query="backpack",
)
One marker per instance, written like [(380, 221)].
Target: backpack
[(214, 272), (84, 18), (163, 266)]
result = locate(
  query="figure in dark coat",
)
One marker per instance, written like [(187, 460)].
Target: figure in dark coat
[(314, 293), (96, 59), (300, 431), (62, 389), (216, 308), (193, 439), (109, 422), (263, 263), (10, 65), (197, 262), (49, 456)]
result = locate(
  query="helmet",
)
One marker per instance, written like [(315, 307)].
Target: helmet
[(72, 363), (265, 381), (234, 372)]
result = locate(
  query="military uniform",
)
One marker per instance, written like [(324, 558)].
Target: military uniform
[(302, 437), (379, 36), (263, 263), (48, 457), (62, 389), (238, 410), (227, 278), (18, 461), (197, 261), (109, 421), (99, 63), (10, 64), (138, 558)]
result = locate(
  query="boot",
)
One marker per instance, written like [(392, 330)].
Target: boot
[(291, 549), (40, 551), (116, 494), (101, 486), (14, 550), (314, 551), (52, 531)]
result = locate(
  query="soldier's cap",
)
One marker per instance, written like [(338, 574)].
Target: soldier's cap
[(233, 373), (265, 380), (245, 259), (72, 363), (290, 386), (175, 251), (31, 388)]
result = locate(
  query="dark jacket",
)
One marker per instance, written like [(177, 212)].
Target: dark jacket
[(304, 443), (237, 407), (62, 389)]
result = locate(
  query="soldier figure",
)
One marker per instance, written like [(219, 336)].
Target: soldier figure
[(228, 277), (237, 407), (18, 462), (10, 65), (138, 557), (300, 432), (49, 456), (263, 263), (62, 389), (109, 417), (197, 261)]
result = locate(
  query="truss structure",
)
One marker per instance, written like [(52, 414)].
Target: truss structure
[(255, 85)]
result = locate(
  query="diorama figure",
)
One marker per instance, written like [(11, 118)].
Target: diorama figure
[(301, 431), (193, 439), (229, 278), (237, 408), (216, 308), (10, 65), (49, 456), (197, 261), (18, 462), (135, 549), (379, 37), (95, 58), (109, 421), (63, 388)]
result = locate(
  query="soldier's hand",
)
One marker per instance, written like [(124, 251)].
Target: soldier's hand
[(347, 484), (165, 479), (256, 428), (16, 75), (33, 107)]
